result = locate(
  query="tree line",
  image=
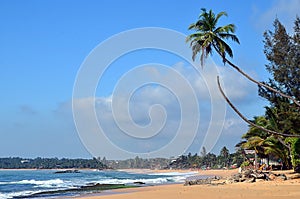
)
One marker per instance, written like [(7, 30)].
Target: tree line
[(138, 163), (202, 161), (208, 160), (50, 163)]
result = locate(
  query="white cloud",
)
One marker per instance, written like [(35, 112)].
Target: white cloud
[(285, 10), (154, 113)]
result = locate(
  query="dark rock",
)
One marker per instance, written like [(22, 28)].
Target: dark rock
[(199, 180), (282, 177), (236, 177), (138, 182), (68, 171), (247, 173)]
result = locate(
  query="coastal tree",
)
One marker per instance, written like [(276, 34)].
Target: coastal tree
[(203, 153), (265, 144), (282, 51), (283, 54), (209, 36), (224, 157)]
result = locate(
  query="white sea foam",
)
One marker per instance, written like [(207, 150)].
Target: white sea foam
[(41, 183), (16, 194), (159, 180), (130, 181)]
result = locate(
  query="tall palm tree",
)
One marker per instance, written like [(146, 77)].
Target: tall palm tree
[(209, 36)]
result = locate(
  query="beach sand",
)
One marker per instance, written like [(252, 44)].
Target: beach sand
[(267, 190)]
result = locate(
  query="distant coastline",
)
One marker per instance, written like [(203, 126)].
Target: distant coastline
[(50, 163)]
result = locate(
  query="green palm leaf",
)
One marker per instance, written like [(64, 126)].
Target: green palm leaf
[(209, 36)]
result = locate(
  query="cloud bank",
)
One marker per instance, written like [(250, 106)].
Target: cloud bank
[(142, 119)]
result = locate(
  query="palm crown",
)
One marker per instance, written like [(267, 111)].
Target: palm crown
[(208, 36)]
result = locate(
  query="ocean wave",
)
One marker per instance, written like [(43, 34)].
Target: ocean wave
[(41, 183), (16, 194), (57, 186)]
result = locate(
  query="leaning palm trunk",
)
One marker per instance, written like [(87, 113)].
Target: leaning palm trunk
[(248, 121), (225, 60)]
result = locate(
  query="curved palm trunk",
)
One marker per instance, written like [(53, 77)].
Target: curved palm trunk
[(248, 121), (253, 80)]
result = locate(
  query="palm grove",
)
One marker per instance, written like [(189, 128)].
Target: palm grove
[(276, 133)]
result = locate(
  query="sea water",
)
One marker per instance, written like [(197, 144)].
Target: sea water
[(29, 183)]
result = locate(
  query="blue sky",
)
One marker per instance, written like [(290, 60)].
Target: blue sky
[(44, 43)]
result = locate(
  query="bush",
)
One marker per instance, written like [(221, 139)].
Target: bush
[(295, 152), (245, 164)]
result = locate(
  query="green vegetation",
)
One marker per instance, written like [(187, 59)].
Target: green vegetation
[(209, 160), (275, 134), (138, 163), (224, 159), (294, 146), (50, 163), (208, 36), (282, 115)]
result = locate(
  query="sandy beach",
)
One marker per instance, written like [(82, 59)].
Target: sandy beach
[(267, 190)]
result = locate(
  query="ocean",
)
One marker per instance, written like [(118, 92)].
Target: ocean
[(48, 184)]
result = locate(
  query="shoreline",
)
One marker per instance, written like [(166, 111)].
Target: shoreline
[(266, 189), (262, 189), (243, 190)]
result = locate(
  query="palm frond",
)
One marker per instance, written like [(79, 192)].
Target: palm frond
[(220, 14), (223, 48), (208, 36), (229, 28), (229, 36), (192, 26), (197, 36)]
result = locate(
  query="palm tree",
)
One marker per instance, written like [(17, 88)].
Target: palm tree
[(209, 36), (266, 144), (272, 146), (266, 147), (255, 143)]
